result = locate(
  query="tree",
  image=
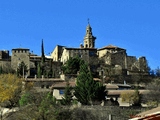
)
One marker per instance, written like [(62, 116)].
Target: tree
[(25, 99), (154, 92), (47, 105), (152, 73), (87, 90), (72, 66), (42, 50), (136, 98), (67, 99), (22, 69), (39, 71), (133, 98), (10, 89), (42, 59), (157, 71)]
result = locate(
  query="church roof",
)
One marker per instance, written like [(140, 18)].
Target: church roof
[(110, 47), (80, 48)]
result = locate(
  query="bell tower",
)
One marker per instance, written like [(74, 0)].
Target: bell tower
[(89, 39)]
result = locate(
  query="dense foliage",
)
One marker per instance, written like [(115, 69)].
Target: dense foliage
[(133, 98), (10, 89), (72, 65), (67, 98), (153, 95), (87, 90), (22, 69)]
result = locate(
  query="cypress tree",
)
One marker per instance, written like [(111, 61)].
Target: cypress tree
[(42, 59), (39, 71), (22, 68), (42, 50), (87, 90)]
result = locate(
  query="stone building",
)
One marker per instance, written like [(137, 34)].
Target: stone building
[(5, 61), (112, 55), (4, 54), (20, 55), (56, 54), (86, 51)]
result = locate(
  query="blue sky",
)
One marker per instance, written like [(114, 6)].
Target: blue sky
[(130, 24)]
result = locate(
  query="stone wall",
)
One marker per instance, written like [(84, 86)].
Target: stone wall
[(5, 64), (130, 61), (119, 58), (4, 54), (19, 55)]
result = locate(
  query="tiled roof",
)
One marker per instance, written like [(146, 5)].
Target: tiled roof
[(80, 48), (157, 109), (110, 47), (97, 79), (118, 92), (111, 86), (153, 114), (63, 85)]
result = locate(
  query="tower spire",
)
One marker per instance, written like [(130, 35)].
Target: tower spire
[(89, 39)]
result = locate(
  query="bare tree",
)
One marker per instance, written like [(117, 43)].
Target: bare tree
[(152, 97)]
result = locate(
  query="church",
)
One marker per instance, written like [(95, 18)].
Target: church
[(110, 54), (86, 51)]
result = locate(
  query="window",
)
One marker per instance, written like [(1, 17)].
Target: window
[(42, 86), (47, 86), (61, 92)]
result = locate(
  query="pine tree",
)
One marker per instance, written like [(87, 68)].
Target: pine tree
[(87, 90), (72, 65), (67, 99)]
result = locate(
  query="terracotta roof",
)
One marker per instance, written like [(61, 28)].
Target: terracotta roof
[(80, 48), (97, 79), (111, 86), (110, 47), (157, 109), (63, 85), (118, 92), (153, 114)]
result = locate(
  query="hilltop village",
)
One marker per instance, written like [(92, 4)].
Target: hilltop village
[(69, 76), (116, 58)]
